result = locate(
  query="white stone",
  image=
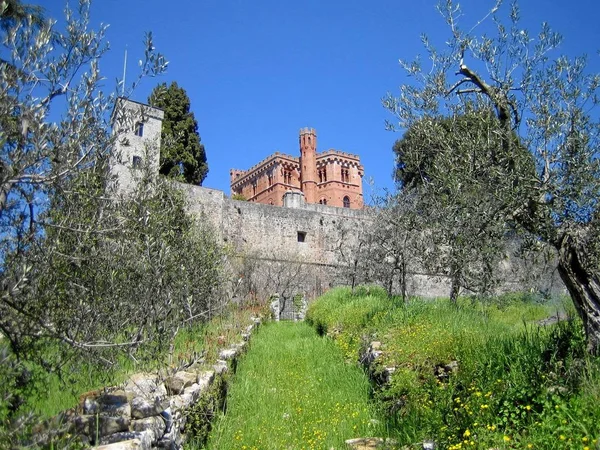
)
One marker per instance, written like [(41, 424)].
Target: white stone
[(141, 438), (228, 353), (146, 385)]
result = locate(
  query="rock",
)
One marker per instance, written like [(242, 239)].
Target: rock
[(387, 374), (194, 390), (90, 406), (221, 367), (443, 371), (228, 354), (177, 383), (145, 385), (451, 367), (171, 440), (375, 345), (206, 378), (371, 443), (99, 426), (154, 424), (133, 444), (428, 445), (144, 438), (142, 407), (168, 418), (240, 346), (115, 404), (183, 401)]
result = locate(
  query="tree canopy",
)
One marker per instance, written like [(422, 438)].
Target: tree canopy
[(550, 102), (86, 273), (182, 155)]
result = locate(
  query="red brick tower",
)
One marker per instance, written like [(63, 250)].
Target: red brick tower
[(308, 164)]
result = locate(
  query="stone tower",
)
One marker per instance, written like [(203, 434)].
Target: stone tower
[(137, 129), (308, 163)]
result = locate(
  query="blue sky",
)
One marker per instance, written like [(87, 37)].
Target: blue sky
[(258, 71)]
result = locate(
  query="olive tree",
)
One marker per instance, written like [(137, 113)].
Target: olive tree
[(549, 101), (85, 273), (442, 167)]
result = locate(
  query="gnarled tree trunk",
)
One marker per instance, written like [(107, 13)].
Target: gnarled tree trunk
[(582, 280)]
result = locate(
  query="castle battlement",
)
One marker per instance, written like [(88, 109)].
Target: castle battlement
[(332, 178), (308, 130)]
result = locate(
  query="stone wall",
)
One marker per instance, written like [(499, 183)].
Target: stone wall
[(310, 238), (149, 410)]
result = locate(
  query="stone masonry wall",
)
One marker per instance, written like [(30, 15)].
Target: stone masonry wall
[(272, 234)]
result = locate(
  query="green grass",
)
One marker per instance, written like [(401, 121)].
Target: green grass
[(294, 390), (518, 385), (55, 394)]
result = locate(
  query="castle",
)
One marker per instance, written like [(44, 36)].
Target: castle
[(331, 178), (312, 241)]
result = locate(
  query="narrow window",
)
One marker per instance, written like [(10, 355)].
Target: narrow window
[(139, 129), (254, 188), (325, 174), (136, 162), (270, 176), (301, 236), (346, 202)]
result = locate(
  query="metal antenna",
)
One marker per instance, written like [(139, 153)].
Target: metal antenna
[(124, 72)]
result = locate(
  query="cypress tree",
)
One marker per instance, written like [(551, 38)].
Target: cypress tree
[(182, 155)]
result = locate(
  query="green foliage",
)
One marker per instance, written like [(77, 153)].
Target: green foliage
[(293, 390), (514, 383), (199, 418), (90, 281), (239, 197), (182, 155), (455, 169), (550, 102)]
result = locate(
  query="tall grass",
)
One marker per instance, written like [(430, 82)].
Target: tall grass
[(294, 390), (515, 384), (197, 341)]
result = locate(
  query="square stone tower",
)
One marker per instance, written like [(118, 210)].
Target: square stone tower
[(137, 130)]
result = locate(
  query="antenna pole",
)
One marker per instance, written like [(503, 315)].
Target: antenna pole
[(124, 72)]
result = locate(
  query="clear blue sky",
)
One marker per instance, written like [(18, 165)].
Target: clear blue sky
[(257, 71)]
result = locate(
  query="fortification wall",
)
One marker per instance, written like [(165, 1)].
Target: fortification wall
[(303, 246), (311, 234)]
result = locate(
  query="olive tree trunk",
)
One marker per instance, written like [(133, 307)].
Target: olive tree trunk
[(583, 283)]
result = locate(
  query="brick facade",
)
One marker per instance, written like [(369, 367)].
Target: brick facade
[(330, 178)]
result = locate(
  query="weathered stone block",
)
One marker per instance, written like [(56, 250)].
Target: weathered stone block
[(177, 383), (206, 378), (154, 424), (221, 367), (99, 426), (228, 353), (144, 438), (183, 401), (133, 444), (371, 443), (142, 407), (171, 440), (145, 385)]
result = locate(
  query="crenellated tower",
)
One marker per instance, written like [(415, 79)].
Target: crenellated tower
[(308, 163)]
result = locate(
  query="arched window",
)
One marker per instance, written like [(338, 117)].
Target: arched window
[(346, 202)]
